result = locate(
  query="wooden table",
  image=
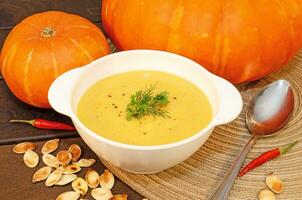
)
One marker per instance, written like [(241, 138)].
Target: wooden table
[(15, 177)]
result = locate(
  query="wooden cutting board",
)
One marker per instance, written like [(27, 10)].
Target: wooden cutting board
[(197, 177)]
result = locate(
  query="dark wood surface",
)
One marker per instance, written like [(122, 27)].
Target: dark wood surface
[(12, 108), (13, 11), (15, 177)]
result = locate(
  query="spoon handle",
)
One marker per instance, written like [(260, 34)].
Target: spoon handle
[(224, 188)]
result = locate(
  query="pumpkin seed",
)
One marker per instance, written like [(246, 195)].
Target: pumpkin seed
[(85, 162), (101, 194), (71, 169), (64, 157), (79, 185), (66, 179), (23, 147), (50, 160), (75, 151), (70, 195), (31, 158), (274, 183), (107, 179), (54, 177), (92, 178), (50, 146), (41, 174), (119, 197), (266, 194)]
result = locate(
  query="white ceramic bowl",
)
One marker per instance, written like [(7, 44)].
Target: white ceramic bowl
[(66, 91)]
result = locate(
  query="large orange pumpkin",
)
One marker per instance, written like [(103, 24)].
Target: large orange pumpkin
[(43, 46), (239, 40)]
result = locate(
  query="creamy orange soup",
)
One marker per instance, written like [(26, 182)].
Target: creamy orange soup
[(103, 109)]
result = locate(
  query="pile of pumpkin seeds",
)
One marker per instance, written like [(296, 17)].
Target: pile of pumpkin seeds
[(274, 186), (61, 170)]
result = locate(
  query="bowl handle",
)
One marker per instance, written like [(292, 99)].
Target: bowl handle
[(230, 101), (60, 91)]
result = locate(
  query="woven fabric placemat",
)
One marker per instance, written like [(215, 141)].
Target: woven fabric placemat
[(197, 177)]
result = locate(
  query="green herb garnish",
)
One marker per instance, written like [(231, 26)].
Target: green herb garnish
[(145, 102)]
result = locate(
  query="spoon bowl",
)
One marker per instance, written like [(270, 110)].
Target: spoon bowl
[(271, 109), (266, 114)]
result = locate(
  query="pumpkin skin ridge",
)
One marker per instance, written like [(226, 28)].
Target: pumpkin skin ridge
[(81, 48), (175, 23), (27, 94), (104, 49), (17, 94), (27, 90), (290, 33), (30, 24), (113, 4), (92, 27), (265, 43), (4, 64), (84, 27), (36, 84), (14, 47), (54, 60), (217, 43)]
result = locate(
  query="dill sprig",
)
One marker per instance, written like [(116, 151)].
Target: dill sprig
[(145, 102)]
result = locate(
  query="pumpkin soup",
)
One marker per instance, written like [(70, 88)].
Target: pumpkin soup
[(144, 108)]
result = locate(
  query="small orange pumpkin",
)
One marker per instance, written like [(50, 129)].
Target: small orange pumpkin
[(45, 45)]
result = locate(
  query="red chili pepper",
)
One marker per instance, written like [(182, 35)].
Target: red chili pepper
[(45, 124), (267, 156)]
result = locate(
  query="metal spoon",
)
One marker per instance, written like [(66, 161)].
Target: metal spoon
[(267, 113)]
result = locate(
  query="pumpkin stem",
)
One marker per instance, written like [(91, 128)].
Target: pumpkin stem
[(48, 32)]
